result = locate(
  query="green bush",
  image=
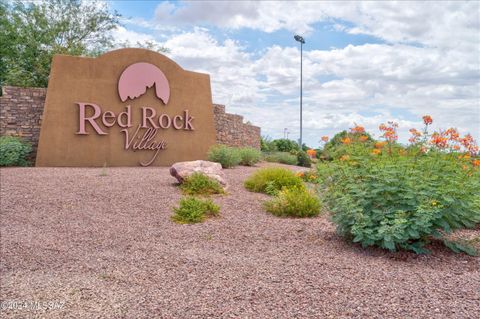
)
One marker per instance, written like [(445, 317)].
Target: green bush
[(401, 201), (249, 156), (227, 156), (267, 145), (193, 210), (13, 151), (281, 157), (271, 180), (200, 184), (286, 145), (294, 202), (303, 159)]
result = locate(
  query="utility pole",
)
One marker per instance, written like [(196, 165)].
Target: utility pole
[(302, 42)]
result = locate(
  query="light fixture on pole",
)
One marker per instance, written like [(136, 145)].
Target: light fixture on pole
[(302, 42)]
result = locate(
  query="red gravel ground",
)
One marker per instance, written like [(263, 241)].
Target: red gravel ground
[(104, 247)]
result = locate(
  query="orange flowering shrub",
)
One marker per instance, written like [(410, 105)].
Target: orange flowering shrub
[(357, 129), (398, 197), (312, 153), (427, 119), (309, 176)]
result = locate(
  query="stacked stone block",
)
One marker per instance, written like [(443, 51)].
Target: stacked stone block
[(232, 131), (21, 111)]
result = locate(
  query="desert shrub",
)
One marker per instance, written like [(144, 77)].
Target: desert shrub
[(271, 180), (225, 155), (286, 145), (249, 156), (303, 159), (193, 210), (267, 145), (398, 198), (281, 157), (294, 202), (310, 176), (200, 184), (13, 151), (336, 148)]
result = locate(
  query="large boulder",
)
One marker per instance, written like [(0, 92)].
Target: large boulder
[(182, 170)]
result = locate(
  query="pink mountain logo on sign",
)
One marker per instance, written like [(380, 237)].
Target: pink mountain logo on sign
[(138, 77)]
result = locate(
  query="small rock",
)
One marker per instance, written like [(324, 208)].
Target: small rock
[(182, 170)]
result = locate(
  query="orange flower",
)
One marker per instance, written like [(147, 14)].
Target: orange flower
[(390, 135), (456, 147), (476, 162), (380, 144), (469, 144), (376, 151), (346, 140), (452, 133), (439, 140), (363, 138), (344, 157), (357, 129), (311, 153), (390, 131), (427, 119), (325, 138), (415, 136), (415, 132)]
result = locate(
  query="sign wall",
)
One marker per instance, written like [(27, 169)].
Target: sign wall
[(128, 107)]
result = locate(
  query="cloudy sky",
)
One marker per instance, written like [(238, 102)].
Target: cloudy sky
[(364, 62)]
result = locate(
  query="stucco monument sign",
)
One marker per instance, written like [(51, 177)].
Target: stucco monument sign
[(128, 107)]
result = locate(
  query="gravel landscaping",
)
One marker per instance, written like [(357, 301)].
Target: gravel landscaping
[(104, 246)]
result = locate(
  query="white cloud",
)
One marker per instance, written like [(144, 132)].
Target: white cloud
[(122, 35), (378, 78), (429, 65), (445, 24), (233, 80)]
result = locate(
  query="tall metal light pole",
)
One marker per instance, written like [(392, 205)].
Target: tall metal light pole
[(302, 42)]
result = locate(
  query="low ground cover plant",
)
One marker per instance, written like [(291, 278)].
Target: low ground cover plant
[(200, 184), (14, 151), (281, 157), (294, 202), (225, 155), (271, 180), (249, 156), (398, 197), (194, 210)]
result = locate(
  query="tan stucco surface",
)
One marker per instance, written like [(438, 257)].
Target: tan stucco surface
[(94, 80)]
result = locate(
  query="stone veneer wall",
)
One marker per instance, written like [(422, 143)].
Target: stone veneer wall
[(21, 111), (232, 131)]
